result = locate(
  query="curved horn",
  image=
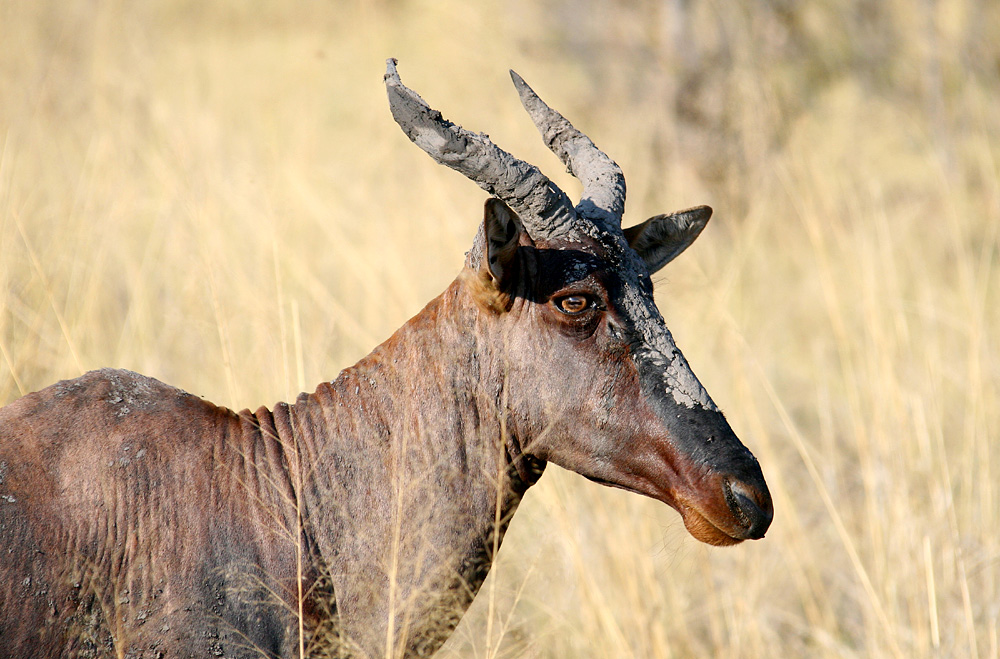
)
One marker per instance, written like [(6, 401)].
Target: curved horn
[(543, 208), (603, 182)]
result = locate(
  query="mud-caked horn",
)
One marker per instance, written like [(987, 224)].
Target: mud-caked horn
[(543, 208), (603, 198)]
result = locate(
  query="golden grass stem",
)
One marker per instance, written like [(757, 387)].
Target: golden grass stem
[(932, 609), (845, 537)]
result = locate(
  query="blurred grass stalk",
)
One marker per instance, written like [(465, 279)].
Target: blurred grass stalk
[(214, 194)]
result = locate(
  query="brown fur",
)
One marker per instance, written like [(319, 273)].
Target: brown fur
[(484, 291)]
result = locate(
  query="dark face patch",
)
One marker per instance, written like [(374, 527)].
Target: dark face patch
[(559, 269)]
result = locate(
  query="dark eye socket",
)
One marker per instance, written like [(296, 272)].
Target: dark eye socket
[(575, 304)]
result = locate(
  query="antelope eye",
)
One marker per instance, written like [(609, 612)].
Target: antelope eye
[(574, 304)]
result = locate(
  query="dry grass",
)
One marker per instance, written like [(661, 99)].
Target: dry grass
[(214, 194)]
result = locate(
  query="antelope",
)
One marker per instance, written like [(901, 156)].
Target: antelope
[(137, 520)]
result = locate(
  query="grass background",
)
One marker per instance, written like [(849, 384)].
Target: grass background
[(214, 194)]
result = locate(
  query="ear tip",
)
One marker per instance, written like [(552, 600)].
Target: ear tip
[(697, 216), (496, 210), (492, 203)]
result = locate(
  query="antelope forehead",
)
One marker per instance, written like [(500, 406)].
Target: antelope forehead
[(577, 270), (562, 267), (599, 249)]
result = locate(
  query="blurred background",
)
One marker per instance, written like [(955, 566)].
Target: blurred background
[(215, 194)]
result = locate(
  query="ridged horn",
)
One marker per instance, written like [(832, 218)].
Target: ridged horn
[(603, 182), (543, 208)]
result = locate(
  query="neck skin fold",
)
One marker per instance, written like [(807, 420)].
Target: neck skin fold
[(406, 477)]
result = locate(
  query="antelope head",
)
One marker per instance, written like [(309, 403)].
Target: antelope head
[(599, 386)]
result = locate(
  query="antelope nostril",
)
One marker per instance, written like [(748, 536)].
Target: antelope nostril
[(751, 506)]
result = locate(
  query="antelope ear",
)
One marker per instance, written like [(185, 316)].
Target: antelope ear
[(661, 238), (501, 228)]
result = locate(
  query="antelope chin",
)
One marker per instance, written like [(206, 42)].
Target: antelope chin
[(702, 529)]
